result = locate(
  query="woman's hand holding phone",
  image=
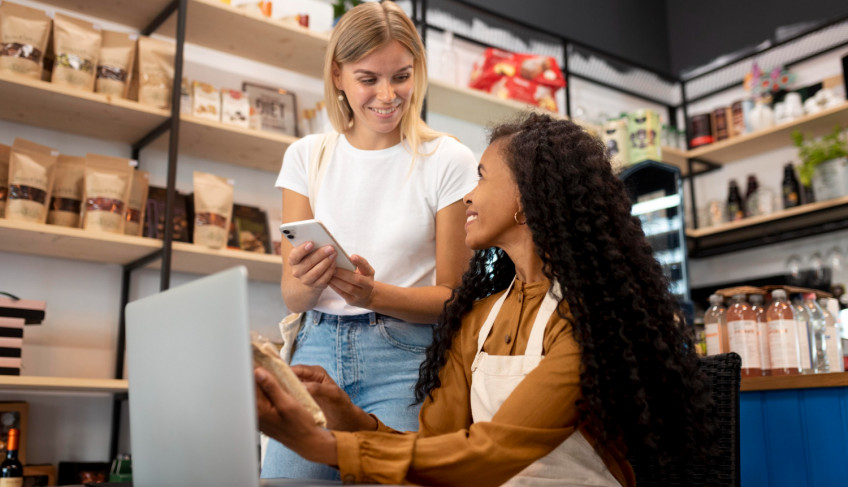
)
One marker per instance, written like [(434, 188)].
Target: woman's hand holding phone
[(313, 268), (356, 287)]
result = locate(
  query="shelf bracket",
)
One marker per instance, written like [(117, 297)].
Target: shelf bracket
[(161, 18)]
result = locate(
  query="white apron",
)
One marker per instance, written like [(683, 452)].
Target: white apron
[(493, 377)]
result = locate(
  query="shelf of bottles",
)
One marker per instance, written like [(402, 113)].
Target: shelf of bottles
[(657, 197)]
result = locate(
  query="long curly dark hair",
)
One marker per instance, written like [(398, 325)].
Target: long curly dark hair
[(642, 388)]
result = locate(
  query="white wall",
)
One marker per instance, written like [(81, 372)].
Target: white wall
[(78, 337)]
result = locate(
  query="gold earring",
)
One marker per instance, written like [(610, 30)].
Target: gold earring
[(516, 218)]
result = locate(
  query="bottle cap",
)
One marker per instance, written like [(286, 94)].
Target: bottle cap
[(778, 294), (716, 299)]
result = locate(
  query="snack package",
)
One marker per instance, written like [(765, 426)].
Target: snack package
[(249, 230), (235, 108), (155, 72), (76, 47), (115, 67), (523, 77), (137, 203), (154, 215), (108, 182), (643, 128), (66, 198), (23, 39), (5, 153), (31, 170), (614, 135), (213, 208), (267, 356), (185, 96), (205, 101)]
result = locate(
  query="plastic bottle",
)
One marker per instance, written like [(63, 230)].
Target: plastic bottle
[(742, 333), (802, 316), (715, 326), (818, 332), (784, 346), (756, 301), (833, 337)]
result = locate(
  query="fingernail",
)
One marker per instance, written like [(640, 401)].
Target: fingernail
[(329, 251), (308, 246), (260, 375)]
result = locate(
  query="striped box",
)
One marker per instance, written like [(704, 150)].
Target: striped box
[(11, 343)]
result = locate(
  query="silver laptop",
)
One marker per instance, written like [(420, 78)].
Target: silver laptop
[(191, 389)]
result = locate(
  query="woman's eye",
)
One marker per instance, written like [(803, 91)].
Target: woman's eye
[(402, 77), (367, 81)]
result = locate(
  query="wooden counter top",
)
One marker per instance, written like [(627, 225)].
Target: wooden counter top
[(769, 383)]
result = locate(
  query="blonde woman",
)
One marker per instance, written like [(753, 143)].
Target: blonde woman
[(391, 194)]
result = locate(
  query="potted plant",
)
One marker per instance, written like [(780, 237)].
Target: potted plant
[(342, 6), (824, 164)]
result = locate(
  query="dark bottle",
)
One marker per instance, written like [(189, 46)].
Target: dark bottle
[(791, 187), (735, 207), (11, 470), (751, 206)]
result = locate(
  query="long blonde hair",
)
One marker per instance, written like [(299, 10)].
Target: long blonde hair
[(361, 31)]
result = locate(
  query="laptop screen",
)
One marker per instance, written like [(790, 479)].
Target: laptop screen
[(191, 390)]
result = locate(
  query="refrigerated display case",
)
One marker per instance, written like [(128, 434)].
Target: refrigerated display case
[(656, 194)]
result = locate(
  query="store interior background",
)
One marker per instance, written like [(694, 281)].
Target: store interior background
[(78, 337)]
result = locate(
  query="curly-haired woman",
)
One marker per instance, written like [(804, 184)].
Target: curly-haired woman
[(561, 351)]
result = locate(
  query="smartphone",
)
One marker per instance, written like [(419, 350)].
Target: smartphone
[(314, 231)]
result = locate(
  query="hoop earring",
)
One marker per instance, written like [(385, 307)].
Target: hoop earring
[(515, 216)]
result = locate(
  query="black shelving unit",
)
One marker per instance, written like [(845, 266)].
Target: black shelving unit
[(690, 88)]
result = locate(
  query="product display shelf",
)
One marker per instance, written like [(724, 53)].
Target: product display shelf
[(218, 26), (809, 381), (772, 138), (61, 384), (195, 259), (46, 105), (676, 158), (43, 104), (826, 215), (106, 248), (238, 146)]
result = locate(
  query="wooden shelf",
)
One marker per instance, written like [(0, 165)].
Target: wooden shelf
[(43, 104), (132, 13), (107, 248), (213, 24), (73, 243), (676, 158), (61, 384), (472, 105), (771, 383), (801, 221), (195, 259), (217, 141), (772, 138)]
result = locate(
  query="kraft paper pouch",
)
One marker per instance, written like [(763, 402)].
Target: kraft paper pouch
[(76, 48), (5, 153), (137, 203), (156, 72), (23, 39), (213, 209), (108, 181), (66, 197), (115, 67), (31, 169)]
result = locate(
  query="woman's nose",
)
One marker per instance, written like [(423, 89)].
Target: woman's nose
[(385, 92)]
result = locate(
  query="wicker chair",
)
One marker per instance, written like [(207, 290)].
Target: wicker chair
[(722, 469)]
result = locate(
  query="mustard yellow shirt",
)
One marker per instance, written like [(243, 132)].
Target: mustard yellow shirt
[(449, 449)]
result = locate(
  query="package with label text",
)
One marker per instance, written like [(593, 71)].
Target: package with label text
[(137, 203), (205, 101), (115, 67), (155, 72), (213, 209), (108, 182), (66, 197), (23, 39), (31, 170), (76, 49)]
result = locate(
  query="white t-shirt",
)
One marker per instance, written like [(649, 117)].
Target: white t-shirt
[(382, 206)]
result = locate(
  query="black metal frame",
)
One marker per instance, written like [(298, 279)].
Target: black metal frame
[(171, 125), (419, 10)]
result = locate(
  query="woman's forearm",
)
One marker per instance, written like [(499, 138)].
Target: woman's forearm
[(415, 305), (298, 297)]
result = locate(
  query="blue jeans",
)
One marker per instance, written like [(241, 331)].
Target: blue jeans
[(374, 359)]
